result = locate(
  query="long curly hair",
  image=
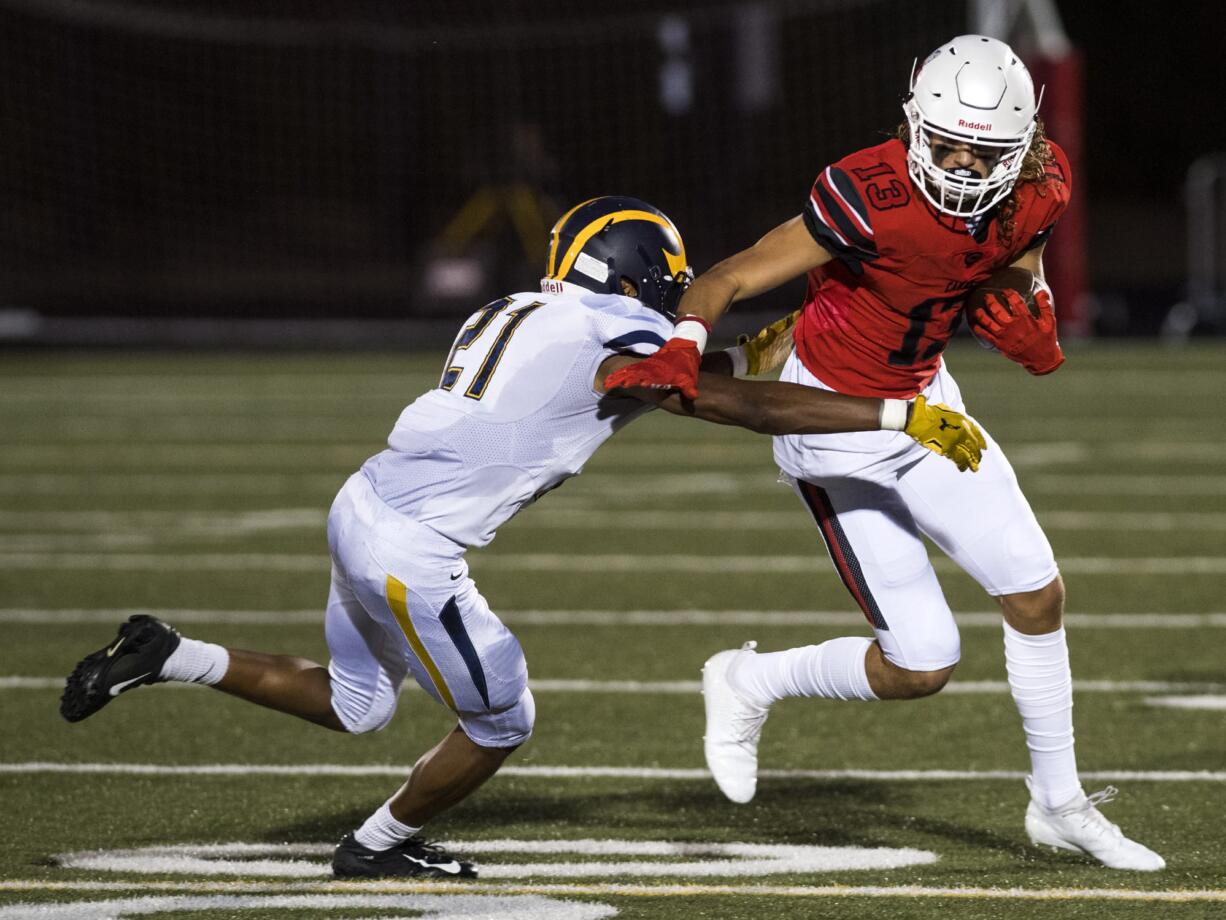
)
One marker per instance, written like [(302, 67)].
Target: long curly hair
[(1034, 170)]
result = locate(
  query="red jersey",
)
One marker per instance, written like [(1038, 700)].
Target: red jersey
[(877, 317)]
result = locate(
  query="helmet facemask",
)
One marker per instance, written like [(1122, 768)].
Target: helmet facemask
[(658, 289), (954, 193)]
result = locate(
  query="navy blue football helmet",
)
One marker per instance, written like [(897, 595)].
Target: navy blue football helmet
[(597, 243)]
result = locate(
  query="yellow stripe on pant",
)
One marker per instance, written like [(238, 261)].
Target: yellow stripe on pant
[(397, 599)]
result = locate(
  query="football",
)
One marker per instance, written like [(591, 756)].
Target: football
[(1021, 280)]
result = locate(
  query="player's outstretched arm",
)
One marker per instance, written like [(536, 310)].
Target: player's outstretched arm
[(754, 355), (786, 252), (771, 407)]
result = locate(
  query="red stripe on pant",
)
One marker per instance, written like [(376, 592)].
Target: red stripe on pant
[(836, 542)]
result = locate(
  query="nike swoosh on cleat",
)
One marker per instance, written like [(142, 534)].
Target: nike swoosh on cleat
[(123, 685), (452, 867), (114, 648)]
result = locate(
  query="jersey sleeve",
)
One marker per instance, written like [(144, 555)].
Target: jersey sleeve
[(627, 330), (1051, 203), (838, 220)]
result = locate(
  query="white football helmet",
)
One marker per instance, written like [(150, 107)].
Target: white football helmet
[(974, 90)]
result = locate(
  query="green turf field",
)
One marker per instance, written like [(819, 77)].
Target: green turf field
[(196, 486)]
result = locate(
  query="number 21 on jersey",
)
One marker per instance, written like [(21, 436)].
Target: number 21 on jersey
[(484, 318)]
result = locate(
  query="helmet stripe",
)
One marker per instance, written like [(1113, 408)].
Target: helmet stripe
[(675, 263), (553, 238)]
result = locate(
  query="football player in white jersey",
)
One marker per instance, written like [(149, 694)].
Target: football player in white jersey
[(520, 407)]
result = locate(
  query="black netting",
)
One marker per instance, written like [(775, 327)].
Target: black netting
[(342, 158)]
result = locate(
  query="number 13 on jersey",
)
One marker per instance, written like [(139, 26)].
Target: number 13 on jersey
[(484, 318)]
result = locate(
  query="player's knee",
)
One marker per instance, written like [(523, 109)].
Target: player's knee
[(1036, 612), (895, 683), (502, 728), (360, 713), (935, 648), (912, 685)]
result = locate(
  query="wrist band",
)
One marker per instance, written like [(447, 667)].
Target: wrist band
[(894, 414), (740, 363), (693, 328)]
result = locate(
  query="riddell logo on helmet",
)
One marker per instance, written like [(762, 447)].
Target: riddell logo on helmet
[(974, 125)]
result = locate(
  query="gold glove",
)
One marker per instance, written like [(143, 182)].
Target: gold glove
[(767, 349), (946, 432)]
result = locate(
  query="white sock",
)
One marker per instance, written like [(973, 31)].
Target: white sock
[(382, 832), (1042, 686), (834, 670), (196, 662)]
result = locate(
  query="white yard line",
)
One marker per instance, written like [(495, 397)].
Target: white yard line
[(167, 484), (808, 565), (639, 687), (260, 454), (606, 772), (1217, 703), (29, 457), (47, 616), (627, 890), (547, 518)]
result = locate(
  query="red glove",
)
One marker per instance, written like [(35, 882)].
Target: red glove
[(673, 367), (1008, 326)]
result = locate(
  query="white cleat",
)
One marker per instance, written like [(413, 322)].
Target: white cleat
[(1079, 826), (734, 726)]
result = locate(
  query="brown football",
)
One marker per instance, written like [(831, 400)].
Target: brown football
[(1018, 279)]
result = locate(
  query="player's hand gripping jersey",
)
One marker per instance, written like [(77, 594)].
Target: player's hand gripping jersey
[(514, 413), (877, 317)]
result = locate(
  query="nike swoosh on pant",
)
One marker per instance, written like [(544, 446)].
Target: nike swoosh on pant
[(123, 685)]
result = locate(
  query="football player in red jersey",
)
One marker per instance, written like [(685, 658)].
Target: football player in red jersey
[(892, 238)]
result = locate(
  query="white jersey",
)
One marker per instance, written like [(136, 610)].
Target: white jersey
[(515, 412)]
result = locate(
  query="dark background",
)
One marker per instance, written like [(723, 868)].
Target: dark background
[(1147, 70), (383, 160)]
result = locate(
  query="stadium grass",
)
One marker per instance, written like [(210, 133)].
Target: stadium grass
[(151, 438)]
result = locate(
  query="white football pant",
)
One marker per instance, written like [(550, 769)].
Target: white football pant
[(401, 602), (875, 494)]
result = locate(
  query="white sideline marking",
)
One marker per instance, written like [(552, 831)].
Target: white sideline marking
[(705, 859), (46, 616), (624, 890), (562, 772), (1189, 702), (808, 565), (564, 685), (229, 523), (606, 484)]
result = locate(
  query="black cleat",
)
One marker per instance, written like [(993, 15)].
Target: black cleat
[(134, 658), (413, 859)]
